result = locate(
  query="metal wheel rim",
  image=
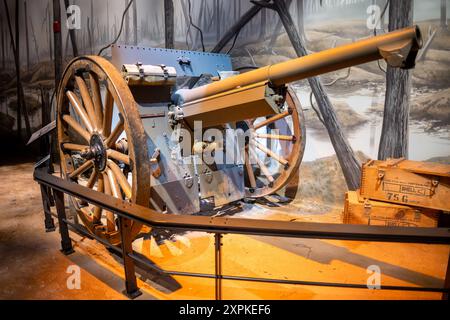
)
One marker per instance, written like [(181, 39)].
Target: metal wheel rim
[(294, 158), (99, 70)]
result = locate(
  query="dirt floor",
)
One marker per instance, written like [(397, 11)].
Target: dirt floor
[(31, 266)]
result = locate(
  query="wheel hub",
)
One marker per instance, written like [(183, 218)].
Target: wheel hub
[(96, 152)]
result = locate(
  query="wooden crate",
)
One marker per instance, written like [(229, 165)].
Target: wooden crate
[(357, 210), (417, 184)]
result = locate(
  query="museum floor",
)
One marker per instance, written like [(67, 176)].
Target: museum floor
[(31, 266)]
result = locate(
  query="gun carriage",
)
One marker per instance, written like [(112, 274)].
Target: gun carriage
[(140, 129)]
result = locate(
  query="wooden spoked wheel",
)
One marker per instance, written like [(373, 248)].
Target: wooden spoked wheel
[(274, 149), (102, 142)]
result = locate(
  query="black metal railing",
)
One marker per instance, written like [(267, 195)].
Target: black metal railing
[(54, 187)]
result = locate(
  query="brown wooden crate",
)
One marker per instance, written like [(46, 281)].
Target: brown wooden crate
[(407, 182), (369, 212)]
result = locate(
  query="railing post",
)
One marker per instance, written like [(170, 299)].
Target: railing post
[(132, 291), (46, 202), (218, 265), (66, 243)]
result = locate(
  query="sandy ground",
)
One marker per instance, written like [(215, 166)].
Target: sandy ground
[(31, 266)]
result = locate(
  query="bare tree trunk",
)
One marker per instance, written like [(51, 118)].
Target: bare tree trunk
[(107, 22), (382, 20), (57, 39), (98, 36), (27, 46), (262, 33), (45, 116), (50, 47), (3, 44), (301, 18), (115, 26), (157, 26), (394, 135), (21, 106), (278, 27), (17, 63), (17, 59), (246, 18), (25, 112), (135, 28), (186, 18), (444, 24), (91, 26), (217, 18), (83, 42), (89, 34), (208, 12), (66, 45), (239, 8), (36, 46), (349, 164), (73, 39), (127, 24), (201, 14), (275, 34), (169, 23)]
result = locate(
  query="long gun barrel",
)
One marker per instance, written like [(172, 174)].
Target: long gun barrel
[(398, 49)]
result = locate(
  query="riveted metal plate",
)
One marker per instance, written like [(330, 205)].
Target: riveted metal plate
[(175, 197), (225, 186), (187, 63)]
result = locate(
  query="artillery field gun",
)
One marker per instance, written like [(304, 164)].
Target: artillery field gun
[(131, 129)]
